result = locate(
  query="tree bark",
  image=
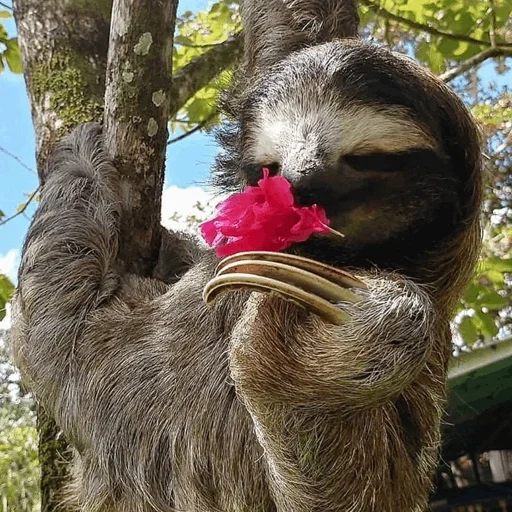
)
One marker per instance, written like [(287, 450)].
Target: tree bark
[(64, 51), (136, 116)]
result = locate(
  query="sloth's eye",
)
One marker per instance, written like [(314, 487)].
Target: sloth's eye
[(377, 162), (390, 162)]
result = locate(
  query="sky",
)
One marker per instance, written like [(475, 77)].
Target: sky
[(188, 161)]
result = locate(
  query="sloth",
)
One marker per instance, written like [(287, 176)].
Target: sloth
[(255, 403)]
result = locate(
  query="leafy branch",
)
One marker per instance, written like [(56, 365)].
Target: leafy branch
[(470, 63), (197, 74), (384, 13), (196, 128), (204, 45)]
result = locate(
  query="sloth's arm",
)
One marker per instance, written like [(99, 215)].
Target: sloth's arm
[(94, 344), (317, 393)]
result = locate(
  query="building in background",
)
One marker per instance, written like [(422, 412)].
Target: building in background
[(475, 474)]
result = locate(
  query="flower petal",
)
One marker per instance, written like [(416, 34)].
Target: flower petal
[(277, 191)]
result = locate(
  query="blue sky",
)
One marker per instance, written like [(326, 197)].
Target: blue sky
[(188, 161)]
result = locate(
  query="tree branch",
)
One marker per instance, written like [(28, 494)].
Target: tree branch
[(196, 128), (202, 70), (137, 101), (5, 6), (205, 45), (468, 64), (380, 11), (21, 211), (14, 157)]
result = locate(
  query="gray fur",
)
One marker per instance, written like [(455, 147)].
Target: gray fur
[(254, 404), (274, 28)]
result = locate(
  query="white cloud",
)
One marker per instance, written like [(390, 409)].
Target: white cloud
[(9, 264), (184, 208)]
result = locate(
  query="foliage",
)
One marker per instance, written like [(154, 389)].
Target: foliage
[(19, 480), (6, 291), (195, 34), (442, 32), (9, 51)]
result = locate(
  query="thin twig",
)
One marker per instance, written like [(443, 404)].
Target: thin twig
[(380, 11), (492, 30), (5, 6), (183, 121), (387, 35), (21, 211), (466, 65), (196, 128), (204, 45), (23, 164)]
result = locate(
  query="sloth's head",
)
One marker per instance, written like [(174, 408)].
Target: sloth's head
[(384, 146)]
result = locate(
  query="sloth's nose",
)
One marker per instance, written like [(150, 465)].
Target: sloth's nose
[(301, 162)]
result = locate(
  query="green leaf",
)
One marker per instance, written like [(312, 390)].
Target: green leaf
[(492, 300), (13, 56), (486, 324), (427, 52), (496, 264), (468, 331), (448, 47), (21, 207), (5, 15), (462, 49), (6, 291), (472, 292), (496, 277)]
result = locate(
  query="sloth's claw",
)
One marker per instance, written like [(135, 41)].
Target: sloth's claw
[(310, 284)]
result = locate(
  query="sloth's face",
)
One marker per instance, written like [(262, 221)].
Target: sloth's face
[(362, 133)]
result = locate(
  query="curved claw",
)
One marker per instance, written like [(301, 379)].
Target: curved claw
[(310, 284), (228, 282), (333, 274), (295, 276)]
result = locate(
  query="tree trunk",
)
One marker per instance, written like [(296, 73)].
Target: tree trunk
[(64, 47), (136, 116)]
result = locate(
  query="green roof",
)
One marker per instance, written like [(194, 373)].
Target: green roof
[(480, 401), (479, 380)]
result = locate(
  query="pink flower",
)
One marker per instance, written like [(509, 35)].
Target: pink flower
[(262, 218)]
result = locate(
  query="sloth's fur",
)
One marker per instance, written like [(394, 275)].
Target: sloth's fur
[(254, 404)]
